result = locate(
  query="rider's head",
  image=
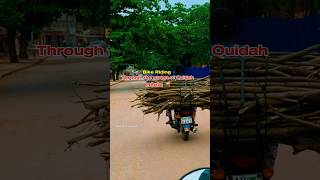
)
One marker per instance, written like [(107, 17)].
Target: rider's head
[(223, 24), (179, 69)]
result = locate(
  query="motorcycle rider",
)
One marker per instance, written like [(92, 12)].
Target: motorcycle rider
[(179, 70), (223, 29), (272, 151)]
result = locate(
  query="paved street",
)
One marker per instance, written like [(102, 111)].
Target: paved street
[(143, 148), (33, 105)]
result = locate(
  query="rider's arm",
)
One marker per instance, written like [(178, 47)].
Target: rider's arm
[(168, 113), (194, 112)]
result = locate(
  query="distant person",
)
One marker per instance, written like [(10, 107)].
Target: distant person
[(64, 44)]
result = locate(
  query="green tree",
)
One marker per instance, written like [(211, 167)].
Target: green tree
[(156, 35), (11, 17), (26, 16)]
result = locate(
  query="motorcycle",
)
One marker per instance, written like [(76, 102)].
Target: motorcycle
[(183, 122), (241, 160)]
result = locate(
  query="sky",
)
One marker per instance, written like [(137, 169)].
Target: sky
[(189, 3)]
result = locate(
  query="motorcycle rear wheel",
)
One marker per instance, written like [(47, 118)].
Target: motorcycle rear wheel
[(185, 135)]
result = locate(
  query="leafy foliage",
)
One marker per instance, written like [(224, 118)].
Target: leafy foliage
[(26, 16), (154, 34)]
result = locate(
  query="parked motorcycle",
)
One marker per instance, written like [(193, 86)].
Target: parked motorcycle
[(183, 122)]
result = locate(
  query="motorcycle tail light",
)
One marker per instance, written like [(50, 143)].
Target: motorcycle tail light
[(186, 113), (243, 162), (218, 174), (268, 172)]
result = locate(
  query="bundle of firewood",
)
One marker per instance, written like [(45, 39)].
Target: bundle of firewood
[(95, 124), (174, 94), (276, 97)]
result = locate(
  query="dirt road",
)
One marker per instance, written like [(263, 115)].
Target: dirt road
[(33, 105), (143, 148), (305, 165)]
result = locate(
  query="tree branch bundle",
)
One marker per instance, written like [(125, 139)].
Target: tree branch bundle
[(174, 94), (276, 97), (95, 124)]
